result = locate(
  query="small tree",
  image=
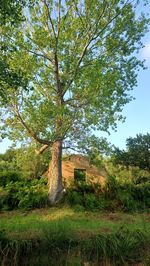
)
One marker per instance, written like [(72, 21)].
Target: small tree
[(137, 152), (31, 164), (77, 63)]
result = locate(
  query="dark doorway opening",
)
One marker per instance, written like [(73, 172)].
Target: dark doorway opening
[(80, 175)]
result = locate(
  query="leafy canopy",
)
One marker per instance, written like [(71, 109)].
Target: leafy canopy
[(75, 62), (11, 14), (137, 152)]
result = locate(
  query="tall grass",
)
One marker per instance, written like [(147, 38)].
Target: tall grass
[(59, 244)]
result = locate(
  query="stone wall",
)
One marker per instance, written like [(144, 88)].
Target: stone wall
[(93, 174)]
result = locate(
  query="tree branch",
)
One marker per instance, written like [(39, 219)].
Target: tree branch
[(42, 149), (50, 19), (43, 54), (31, 133), (59, 18)]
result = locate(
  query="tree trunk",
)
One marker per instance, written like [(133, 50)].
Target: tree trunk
[(55, 174)]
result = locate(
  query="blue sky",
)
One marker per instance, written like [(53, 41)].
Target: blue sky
[(137, 112)]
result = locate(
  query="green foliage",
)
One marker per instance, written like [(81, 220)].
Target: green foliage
[(74, 198), (3, 241), (49, 72), (142, 179), (31, 164), (3, 198), (25, 161), (137, 153), (95, 147), (130, 197), (8, 161), (9, 176), (12, 11), (123, 174), (79, 175), (114, 196), (23, 194)]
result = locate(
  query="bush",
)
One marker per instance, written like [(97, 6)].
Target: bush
[(9, 176), (91, 202), (24, 194), (115, 196), (141, 193), (142, 180), (3, 198), (74, 197)]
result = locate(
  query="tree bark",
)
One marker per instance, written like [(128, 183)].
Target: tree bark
[(55, 174)]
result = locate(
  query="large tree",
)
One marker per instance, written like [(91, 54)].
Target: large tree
[(77, 63)]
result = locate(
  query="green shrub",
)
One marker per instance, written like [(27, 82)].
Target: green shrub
[(111, 187), (3, 197), (141, 193), (142, 179), (24, 194), (126, 200), (79, 208), (115, 196), (83, 187), (91, 202), (9, 176), (74, 197)]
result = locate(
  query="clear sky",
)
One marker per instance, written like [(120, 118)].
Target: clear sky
[(137, 112)]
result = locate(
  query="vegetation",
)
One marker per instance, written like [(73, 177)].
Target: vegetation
[(54, 55), (94, 224), (27, 193), (114, 196), (22, 193), (48, 96), (137, 153), (25, 161), (96, 238)]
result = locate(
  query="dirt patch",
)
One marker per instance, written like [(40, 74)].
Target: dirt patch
[(114, 217), (105, 230), (117, 217)]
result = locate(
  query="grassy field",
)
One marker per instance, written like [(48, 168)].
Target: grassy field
[(32, 223), (121, 238)]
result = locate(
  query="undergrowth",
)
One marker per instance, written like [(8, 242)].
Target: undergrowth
[(127, 197), (59, 244)]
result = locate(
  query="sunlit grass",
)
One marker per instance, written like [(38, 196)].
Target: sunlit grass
[(32, 223)]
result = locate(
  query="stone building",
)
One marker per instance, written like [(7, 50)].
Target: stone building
[(77, 166)]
